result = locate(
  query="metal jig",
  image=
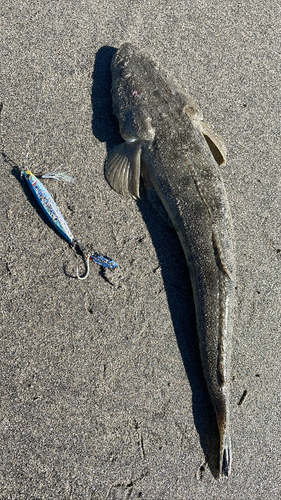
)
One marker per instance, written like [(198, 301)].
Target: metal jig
[(54, 215)]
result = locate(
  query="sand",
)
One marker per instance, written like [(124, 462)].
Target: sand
[(102, 392)]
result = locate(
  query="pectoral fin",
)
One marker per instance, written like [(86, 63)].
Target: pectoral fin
[(213, 139), (215, 143), (122, 168)]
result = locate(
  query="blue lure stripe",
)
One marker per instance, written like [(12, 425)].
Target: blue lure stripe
[(104, 261), (48, 205)]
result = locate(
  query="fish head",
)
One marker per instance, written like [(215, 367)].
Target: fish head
[(130, 71)]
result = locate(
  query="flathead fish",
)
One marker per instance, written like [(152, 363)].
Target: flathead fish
[(178, 157)]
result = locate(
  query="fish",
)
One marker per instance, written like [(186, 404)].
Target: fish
[(179, 157)]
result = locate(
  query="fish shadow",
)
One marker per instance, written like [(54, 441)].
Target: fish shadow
[(178, 289), (104, 123), (173, 266)]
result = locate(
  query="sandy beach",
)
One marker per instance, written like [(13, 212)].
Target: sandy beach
[(102, 390)]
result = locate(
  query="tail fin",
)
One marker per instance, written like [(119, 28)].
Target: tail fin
[(225, 455)]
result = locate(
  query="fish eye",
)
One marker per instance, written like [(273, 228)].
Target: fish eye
[(27, 176)]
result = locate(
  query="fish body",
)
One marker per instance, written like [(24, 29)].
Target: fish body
[(177, 155)]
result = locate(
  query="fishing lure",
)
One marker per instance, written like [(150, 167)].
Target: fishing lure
[(54, 215)]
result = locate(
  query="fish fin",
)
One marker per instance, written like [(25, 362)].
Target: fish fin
[(225, 456), (122, 168), (215, 143)]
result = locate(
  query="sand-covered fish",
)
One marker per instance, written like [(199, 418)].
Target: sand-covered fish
[(178, 157)]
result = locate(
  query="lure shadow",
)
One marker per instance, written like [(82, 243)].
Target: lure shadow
[(174, 270)]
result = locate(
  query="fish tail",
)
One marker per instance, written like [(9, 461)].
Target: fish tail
[(225, 455)]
